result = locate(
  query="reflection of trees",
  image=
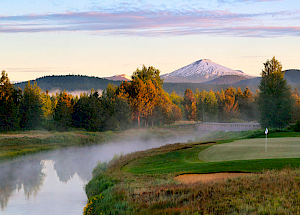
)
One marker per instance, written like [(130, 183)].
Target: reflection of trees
[(28, 173), (71, 161), (13, 176)]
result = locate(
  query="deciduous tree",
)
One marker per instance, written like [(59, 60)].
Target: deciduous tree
[(190, 104)]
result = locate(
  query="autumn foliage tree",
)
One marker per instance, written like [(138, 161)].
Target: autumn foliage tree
[(189, 101), (230, 109), (147, 99)]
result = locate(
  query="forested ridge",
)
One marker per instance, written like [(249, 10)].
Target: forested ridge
[(86, 83), (70, 83)]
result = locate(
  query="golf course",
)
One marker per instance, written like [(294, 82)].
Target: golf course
[(153, 181), (251, 149)]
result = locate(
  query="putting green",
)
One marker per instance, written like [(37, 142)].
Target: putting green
[(248, 149)]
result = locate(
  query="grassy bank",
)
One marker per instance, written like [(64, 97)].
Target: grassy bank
[(143, 182), (15, 144)]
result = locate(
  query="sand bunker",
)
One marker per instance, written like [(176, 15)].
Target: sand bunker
[(191, 178)]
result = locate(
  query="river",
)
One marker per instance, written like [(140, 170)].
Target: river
[(53, 182)]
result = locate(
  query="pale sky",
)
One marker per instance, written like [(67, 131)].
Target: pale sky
[(105, 38)]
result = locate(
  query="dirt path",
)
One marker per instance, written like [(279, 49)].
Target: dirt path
[(191, 178)]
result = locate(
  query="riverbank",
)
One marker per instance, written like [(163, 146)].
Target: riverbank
[(15, 144), (145, 182)]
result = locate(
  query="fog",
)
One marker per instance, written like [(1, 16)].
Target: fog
[(35, 183), (74, 93)]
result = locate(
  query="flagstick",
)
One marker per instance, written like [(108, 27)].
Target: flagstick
[(266, 143)]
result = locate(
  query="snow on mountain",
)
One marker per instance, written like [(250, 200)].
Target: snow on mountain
[(122, 77), (201, 71)]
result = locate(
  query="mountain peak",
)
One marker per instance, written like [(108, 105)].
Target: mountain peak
[(122, 77), (201, 71)]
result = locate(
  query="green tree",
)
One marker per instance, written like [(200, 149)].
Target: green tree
[(275, 100), (149, 73), (31, 112), (47, 107), (9, 104), (88, 113), (200, 97), (63, 111), (210, 106)]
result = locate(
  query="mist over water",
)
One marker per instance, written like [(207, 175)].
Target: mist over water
[(53, 182)]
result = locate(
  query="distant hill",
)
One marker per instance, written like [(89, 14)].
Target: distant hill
[(70, 83), (86, 83), (292, 76), (227, 79), (201, 71)]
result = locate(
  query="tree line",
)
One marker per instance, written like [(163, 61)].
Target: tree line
[(139, 102), (230, 105), (143, 102)]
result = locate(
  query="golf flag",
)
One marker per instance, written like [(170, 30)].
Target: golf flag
[(266, 131)]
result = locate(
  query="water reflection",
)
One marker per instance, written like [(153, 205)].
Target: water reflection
[(25, 174), (53, 182)]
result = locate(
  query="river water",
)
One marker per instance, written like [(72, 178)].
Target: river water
[(53, 182)]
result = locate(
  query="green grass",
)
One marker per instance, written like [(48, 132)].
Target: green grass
[(248, 149), (186, 161)]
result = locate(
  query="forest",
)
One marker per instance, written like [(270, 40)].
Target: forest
[(141, 102)]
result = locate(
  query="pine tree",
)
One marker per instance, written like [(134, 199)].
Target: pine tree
[(275, 101), (31, 113), (9, 104), (63, 111)]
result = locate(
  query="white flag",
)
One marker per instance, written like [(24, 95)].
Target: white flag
[(266, 131)]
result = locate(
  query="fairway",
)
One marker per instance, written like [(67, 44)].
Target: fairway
[(248, 149)]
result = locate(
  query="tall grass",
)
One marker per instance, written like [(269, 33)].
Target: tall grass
[(273, 192)]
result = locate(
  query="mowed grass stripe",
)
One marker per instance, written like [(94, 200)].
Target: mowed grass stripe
[(249, 149), (187, 161)]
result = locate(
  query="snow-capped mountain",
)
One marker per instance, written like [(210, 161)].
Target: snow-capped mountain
[(122, 77), (201, 71)]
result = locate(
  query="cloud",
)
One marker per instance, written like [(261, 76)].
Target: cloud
[(252, 1), (153, 23)]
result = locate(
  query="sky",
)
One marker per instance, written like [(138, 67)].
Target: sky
[(106, 38)]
